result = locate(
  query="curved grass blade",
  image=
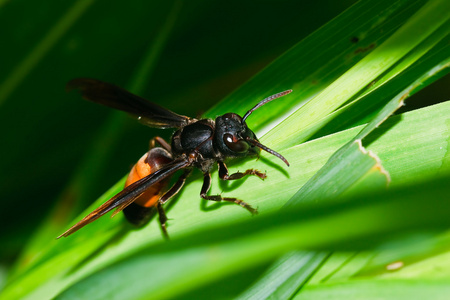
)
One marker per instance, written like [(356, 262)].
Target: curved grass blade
[(346, 163), (285, 275), (355, 226), (59, 269), (405, 39), (317, 61), (379, 289)]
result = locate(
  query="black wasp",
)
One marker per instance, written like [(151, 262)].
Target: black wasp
[(196, 144)]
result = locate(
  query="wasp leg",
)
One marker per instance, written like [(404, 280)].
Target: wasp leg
[(162, 219), (175, 188), (206, 186), (164, 198), (161, 142), (223, 173)]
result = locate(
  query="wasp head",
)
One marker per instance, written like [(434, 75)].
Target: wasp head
[(235, 139)]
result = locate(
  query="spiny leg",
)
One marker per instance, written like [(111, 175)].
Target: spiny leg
[(176, 187), (162, 219), (164, 198), (205, 188), (223, 173)]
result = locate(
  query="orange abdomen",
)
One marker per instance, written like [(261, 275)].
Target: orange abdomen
[(144, 167)]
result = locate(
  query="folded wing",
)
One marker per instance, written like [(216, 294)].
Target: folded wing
[(148, 113), (129, 194)]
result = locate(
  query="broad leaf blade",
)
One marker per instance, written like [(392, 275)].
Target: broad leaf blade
[(356, 226)]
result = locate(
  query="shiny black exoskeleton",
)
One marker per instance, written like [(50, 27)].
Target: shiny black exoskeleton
[(196, 144), (214, 141)]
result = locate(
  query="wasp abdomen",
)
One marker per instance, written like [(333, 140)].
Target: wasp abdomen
[(149, 163), (140, 211)]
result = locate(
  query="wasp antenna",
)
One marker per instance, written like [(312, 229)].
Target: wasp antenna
[(264, 101), (259, 145)]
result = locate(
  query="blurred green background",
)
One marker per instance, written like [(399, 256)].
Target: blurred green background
[(60, 153), (209, 48)]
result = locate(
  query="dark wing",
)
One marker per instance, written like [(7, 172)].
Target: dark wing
[(113, 96), (129, 194)]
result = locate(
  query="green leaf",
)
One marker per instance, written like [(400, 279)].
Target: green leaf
[(285, 275), (67, 267), (185, 262), (392, 43), (379, 289), (427, 21)]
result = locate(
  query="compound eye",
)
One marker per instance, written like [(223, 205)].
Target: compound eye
[(235, 144)]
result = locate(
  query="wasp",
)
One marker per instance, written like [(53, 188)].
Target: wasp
[(196, 143)]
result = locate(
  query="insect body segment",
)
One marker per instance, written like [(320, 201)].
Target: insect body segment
[(141, 210), (149, 163), (196, 144)]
